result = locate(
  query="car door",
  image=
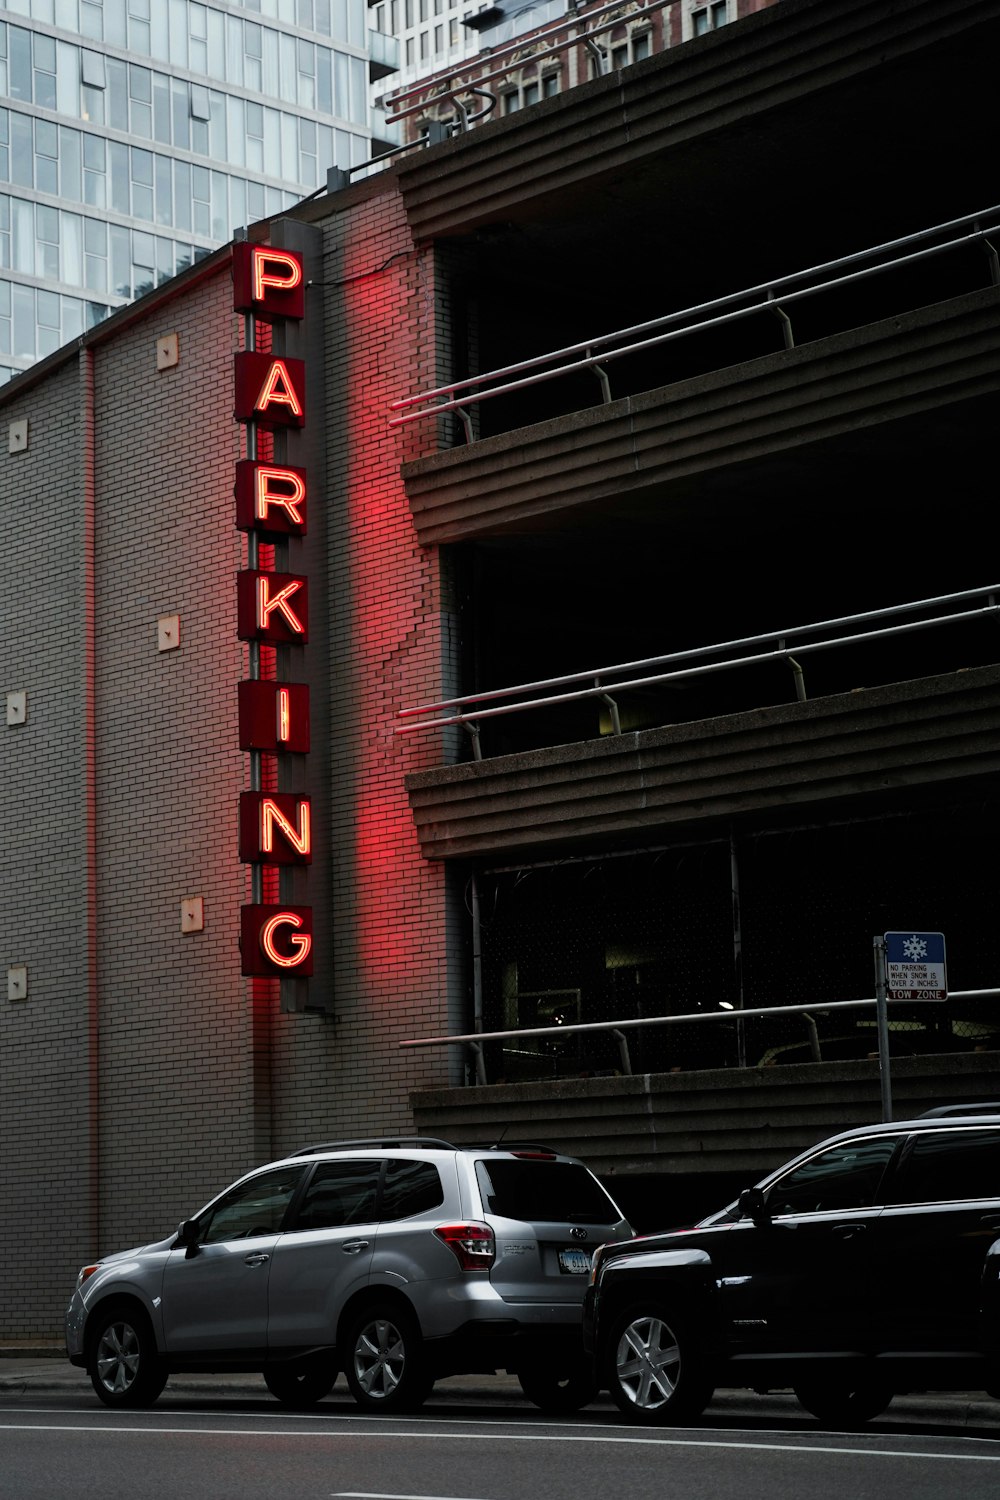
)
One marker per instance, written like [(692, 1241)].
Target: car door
[(325, 1254), (215, 1292), (942, 1214), (800, 1279)]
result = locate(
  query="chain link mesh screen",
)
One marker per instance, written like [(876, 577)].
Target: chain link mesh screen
[(782, 918)]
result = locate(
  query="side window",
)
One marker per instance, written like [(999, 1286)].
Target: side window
[(948, 1166), (411, 1187), (845, 1176), (339, 1192), (254, 1207)]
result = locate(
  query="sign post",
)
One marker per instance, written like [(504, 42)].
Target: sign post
[(882, 1017), (908, 966)]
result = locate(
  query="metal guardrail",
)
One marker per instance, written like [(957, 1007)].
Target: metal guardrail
[(474, 1040), (603, 682), (771, 297)]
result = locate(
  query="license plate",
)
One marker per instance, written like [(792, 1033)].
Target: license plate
[(575, 1262)]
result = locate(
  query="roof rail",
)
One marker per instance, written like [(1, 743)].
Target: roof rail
[(942, 1111), (384, 1142), (511, 1146)]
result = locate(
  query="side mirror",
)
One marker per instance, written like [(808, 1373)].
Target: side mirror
[(187, 1236), (753, 1205)]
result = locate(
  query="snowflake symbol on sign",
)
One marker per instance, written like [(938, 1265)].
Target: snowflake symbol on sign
[(915, 948)]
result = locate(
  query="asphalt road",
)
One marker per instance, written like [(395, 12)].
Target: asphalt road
[(210, 1443)]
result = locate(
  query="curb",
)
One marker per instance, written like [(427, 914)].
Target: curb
[(31, 1368)]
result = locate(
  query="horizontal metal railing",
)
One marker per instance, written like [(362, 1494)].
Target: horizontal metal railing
[(474, 1040), (772, 297), (679, 666)]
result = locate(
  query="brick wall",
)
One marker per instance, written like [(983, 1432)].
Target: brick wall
[(143, 1073), (45, 898), (395, 944), (177, 1102)]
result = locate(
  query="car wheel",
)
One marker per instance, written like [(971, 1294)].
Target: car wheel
[(386, 1368), (844, 1402), (657, 1371), (122, 1361), (558, 1391), (301, 1383)]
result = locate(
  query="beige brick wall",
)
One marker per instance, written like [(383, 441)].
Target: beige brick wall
[(141, 1074), (45, 901)]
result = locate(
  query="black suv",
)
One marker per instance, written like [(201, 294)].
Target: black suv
[(865, 1267)]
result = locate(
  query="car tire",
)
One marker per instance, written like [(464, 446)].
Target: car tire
[(124, 1366), (844, 1403), (656, 1368), (385, 1364), (558, 1391), (299, 1384)]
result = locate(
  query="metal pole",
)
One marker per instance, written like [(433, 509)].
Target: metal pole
[(734, 879), (882, 1015), (477, 979)]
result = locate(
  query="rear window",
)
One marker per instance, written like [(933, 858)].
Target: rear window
[(543, 1191)]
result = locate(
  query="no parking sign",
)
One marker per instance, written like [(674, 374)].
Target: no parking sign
[(915, 966)]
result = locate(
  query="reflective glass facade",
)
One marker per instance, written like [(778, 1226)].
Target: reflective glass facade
[(136, 135)]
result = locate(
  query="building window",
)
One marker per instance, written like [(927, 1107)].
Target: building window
[(198, 45), (710, 17), (252, 56), (46, 157), (633, 49), (550, 85), (92, 69), (140, 92)]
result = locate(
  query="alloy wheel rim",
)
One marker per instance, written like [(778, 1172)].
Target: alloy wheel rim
[(379, 1358), (648, 1363), (118, 1357)]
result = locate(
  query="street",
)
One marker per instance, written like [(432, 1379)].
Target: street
[(220, 1447)]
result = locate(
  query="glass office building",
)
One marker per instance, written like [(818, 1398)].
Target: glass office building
[(136, 135)]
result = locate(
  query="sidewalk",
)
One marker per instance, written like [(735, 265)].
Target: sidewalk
[(41, 1365), (29, 1366)]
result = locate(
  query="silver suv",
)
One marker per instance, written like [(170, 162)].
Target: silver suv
[(397, 1261)]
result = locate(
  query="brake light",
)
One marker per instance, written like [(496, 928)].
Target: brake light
[(534, 1155), (85, 1274), (473, 1245)]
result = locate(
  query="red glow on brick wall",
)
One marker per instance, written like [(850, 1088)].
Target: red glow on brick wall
[(392, 634)]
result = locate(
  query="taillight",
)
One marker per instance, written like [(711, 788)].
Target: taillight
[(472, 1244), (85, 1274)]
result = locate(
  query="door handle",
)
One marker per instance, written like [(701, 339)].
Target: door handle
[(354, 1247), (848, 1231), (257, 1259)]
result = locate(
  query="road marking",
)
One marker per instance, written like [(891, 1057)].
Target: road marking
[(517, 1437)]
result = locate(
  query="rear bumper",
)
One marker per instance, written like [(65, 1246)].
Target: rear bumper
[(483, 1346)]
